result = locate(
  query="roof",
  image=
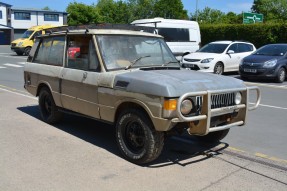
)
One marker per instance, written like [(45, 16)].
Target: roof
[(36, 10), (5, 4)]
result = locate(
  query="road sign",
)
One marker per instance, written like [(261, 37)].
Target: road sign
[(251, 18)]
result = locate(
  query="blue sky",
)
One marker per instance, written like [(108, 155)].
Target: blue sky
[(236, 6)]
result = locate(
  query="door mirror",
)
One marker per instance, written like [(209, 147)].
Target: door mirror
[(230, 52)]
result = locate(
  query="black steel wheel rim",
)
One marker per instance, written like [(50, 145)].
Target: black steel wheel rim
[(47, 106), (134, 136)]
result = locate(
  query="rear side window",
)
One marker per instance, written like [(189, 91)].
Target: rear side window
[(245, 47), (174, 34), (51, 51)]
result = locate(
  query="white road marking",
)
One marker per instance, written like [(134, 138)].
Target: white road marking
[(18, 94), (13, 56), (13, 65), (276, 107), (21, 63), (2, 67)]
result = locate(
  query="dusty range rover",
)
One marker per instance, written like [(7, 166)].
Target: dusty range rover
[(131, 79)]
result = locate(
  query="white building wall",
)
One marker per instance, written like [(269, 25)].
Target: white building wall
[(3, 21), (37, 18)]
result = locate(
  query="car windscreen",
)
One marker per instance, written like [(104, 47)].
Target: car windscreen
[(27, 34), (213, 48), (120, 51), (272, 50)]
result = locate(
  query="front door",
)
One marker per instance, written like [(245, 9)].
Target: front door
[(79, 85)]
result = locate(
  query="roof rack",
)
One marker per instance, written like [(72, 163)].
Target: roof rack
[(100, 26)]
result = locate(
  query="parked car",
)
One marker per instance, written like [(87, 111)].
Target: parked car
[(218, 57), (269, 62), (131, 79)]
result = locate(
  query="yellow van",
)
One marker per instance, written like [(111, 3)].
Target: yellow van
[(24, 44)]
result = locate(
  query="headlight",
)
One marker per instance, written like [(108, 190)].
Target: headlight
[(20, 44), (237, 98), (207, 60), (186, 106), (270, 63)]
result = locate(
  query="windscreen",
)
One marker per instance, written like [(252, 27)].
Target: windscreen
[(27, 34), (272, 50), (120, 51)]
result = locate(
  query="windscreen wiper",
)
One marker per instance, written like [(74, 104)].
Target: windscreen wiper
[(135, 61), (170, 62)]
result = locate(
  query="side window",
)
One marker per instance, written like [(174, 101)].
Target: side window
[(174, 34), (50, 51), (93, 59), (234, 48), (78, 51), (245, 47)]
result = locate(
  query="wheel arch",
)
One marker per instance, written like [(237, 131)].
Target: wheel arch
[(42, 85)]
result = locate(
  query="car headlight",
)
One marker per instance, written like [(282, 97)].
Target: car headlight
[(186, 106), (20, 44), (237, 98), (207, 60), (270, 63)]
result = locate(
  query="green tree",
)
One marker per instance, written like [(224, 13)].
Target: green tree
[(46, 8), (208, 16), (107, 10), (170, 9), (79, 13), (273, 10), (141, 9)]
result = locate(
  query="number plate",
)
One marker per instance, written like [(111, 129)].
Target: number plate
[(250, 70)]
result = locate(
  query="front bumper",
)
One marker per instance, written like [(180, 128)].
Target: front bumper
[(197, 66), (260, 72), (17, 49), (201, 124)]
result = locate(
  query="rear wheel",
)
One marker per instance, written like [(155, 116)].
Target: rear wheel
[(281, 75), (214, 136), (48, 108), (218, 68), (137, 139)]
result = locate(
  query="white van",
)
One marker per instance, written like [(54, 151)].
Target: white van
[(181, 35)]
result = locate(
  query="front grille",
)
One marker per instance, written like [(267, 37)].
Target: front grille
[(13, 44), (191, 60), (222, 100)]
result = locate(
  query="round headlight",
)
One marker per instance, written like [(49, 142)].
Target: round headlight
[(186, 106), (237, 98)]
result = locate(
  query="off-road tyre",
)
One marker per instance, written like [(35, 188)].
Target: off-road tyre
[(136, 137), (48, 109), (281, 75), (218, 68), (213, 137)]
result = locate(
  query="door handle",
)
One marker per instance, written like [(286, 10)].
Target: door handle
[(85, 75)]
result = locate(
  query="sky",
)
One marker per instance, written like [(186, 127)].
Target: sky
[(236, 6)]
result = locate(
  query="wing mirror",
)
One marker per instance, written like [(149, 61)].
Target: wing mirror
[(230, 52)]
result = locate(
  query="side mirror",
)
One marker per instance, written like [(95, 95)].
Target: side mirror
[(230, 52), (186, 53)]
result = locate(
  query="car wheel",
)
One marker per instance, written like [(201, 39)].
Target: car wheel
[(27, 50), (214, 136), (48, 108), (218, 68), (136, 137), (281, 75), (19, 53)]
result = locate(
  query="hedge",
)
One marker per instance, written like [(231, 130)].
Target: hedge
[(258, 34)]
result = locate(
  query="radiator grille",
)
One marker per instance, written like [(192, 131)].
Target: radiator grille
[(222, 100)]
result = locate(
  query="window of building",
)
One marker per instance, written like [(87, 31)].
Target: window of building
[(22, 16), (51, 17), (0, 14)]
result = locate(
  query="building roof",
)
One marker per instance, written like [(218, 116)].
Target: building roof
[(5, 4), (36, 10)]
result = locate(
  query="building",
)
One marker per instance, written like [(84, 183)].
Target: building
[(15, 21)]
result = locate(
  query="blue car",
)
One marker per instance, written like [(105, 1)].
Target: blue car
[(269, 61)]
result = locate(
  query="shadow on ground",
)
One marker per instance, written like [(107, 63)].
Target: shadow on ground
[(178, 150)]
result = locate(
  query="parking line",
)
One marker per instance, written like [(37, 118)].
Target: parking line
[(267, 85), (2, 67), (21, 94), (276, 107), (13, 65)]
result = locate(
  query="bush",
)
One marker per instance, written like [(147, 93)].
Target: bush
[(258, 34)]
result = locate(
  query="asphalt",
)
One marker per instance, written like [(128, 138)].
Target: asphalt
[(81, 154)]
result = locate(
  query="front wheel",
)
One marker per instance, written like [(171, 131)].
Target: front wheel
[(136, 137), (27, 50), (48, 108), (218, 68), (281, 75), (214, 136), (19, 53)]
